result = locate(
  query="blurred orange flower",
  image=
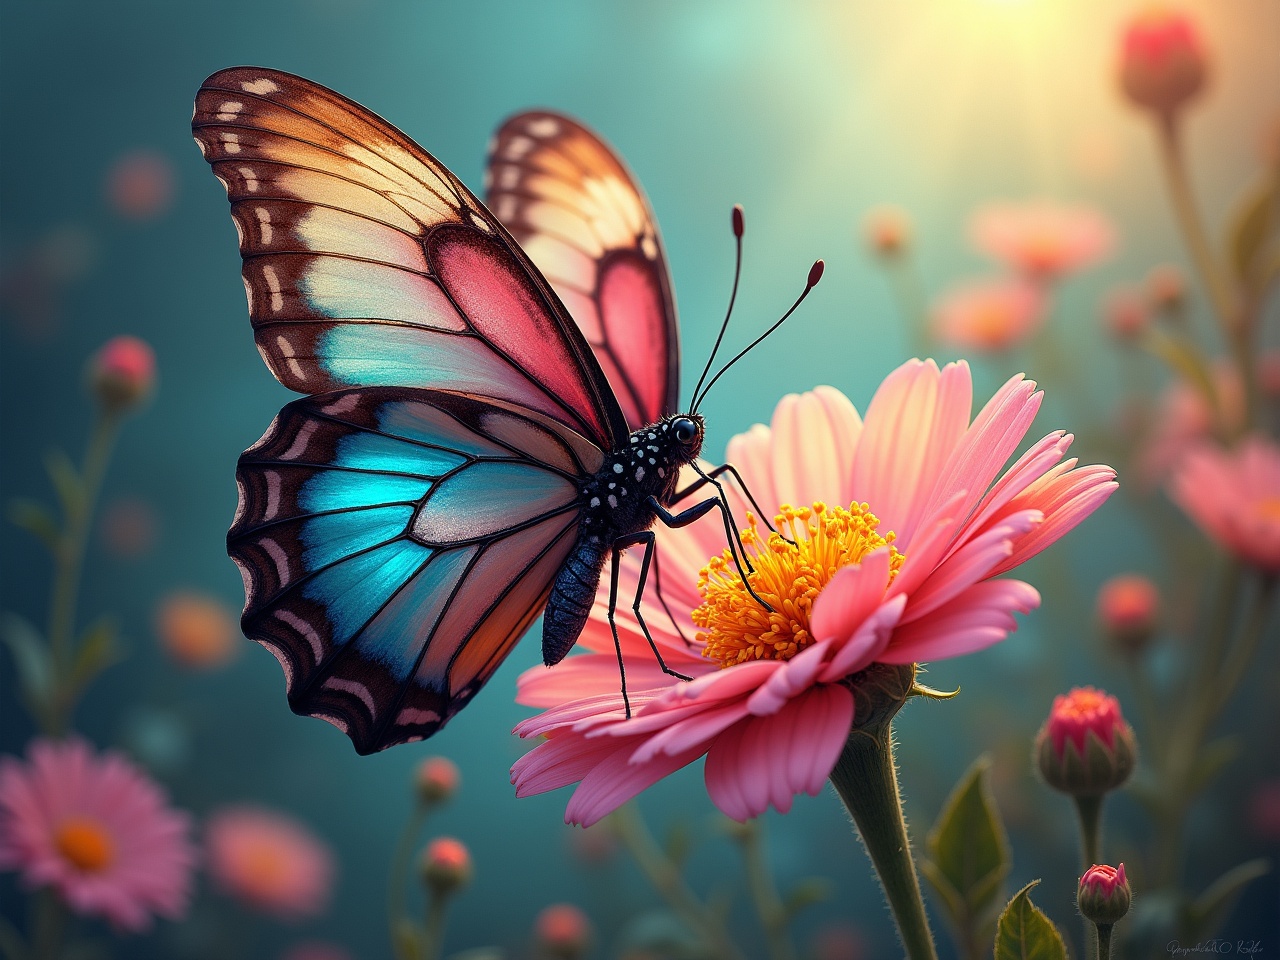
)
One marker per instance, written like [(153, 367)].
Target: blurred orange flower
[(197, 631), (1042, 240), (988, 315), (140, 185), (269, 861)]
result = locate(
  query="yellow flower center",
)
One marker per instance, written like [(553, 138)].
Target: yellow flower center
[(85, 843), (788, 576)]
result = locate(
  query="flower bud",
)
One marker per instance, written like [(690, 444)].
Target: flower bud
[(1104, 895), (1124, 315), (1085, 748), (446, 866), (563, 931), (437, 780), (1166, 287), (122, 372), (887, 231), (1128, 607), (1162, 61)]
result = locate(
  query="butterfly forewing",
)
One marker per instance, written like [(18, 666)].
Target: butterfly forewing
[(367, 263), (580, 216), (395, 544)]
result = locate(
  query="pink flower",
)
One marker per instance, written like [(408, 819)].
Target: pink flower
[(906, 577), (1129, 608), (446, 865), (1124, 314), (562, 930), (1103, 895), (1234, 497), (1184, 420), (437, 780), (96, 829), (140, 185), (988, 315), (1043, 240), (197, 631), (1162, 60), (269, 861)]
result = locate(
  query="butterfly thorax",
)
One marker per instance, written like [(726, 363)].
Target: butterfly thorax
[(616, 503)]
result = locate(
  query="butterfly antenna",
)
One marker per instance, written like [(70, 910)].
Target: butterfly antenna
[(738, 228), (815, 274)]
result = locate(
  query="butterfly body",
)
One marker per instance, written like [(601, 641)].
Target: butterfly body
[(619, 502)]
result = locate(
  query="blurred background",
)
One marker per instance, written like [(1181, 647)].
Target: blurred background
[(813, 116)]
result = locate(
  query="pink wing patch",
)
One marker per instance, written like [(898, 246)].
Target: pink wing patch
[(580, 216)]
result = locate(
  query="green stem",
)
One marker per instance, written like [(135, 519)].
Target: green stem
[(11, 945), (1241, 654), (867, 781), (69, 568), (1089, 810), (398, 881), (433, 939), (1196, 237), (773, 914), (49, 925), (909, 292), (666, 879), (1104, 941)]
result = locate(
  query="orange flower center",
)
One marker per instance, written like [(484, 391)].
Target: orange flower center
[(787, 575), (264, 869), (1268, 508), (85, 843)]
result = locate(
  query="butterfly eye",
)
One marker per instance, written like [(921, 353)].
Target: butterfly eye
[(685, 430)]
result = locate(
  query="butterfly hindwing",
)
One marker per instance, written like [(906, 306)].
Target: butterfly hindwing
[(367, 263), (395, 543), (580, 216)]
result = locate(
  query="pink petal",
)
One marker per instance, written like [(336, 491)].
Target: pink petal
[(793, 676), (867, 643), (813, 441), (693, 731), (1065, 500), (615, 780), (558, 762), (751, 453), (850, 596), (587, 675), (975, 620), (765, 761)]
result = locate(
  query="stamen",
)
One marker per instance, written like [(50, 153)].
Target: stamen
[(791, 567), (85, 844)]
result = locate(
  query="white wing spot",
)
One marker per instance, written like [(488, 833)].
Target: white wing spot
[(595, 501), (250, 179), (228, 110), (517, 147), (230, 142), (273, 284), (648, 247), (661, 473), (639, 474), (260, 86), (613, 501), (264, 228), (543, 127), (617, 468)]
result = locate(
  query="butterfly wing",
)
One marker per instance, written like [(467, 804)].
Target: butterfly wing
[(579, 214), (396, 543), (367, 263)]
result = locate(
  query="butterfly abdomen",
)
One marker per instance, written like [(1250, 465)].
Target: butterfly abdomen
[(572, 596)]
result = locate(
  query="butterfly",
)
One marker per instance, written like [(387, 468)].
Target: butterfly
[(480, 435)]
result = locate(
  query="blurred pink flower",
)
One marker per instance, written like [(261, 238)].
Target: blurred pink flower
[(316, 950), (140, 185), (562, 930), (769, 711), (1124, 314), (1184, 420), (129, 527), (96, 829), (122, 372), (988, 315), (1234, 497), (269, 861), (1042, 240), (1264, 810), (1129, 609)]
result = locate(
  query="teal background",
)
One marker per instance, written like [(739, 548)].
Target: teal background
[(808, 114)]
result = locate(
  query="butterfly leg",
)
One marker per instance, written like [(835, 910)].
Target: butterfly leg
[(686, 517), (730, 529), (648, 539), (711, 475), (657, 577)]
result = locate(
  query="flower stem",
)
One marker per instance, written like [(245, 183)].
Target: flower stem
[(666, 879), (1104, 941), (867, 781), (433, 939), (69, 567), (773, 914), (397, 882), (1089, 810)]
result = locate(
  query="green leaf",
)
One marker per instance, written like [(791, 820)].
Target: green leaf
[(967, 853), (1212, 907), (66, 480), (31, 658), (1252, 227), (99, 649), (35, 518), (1024, 933), (804, 894)]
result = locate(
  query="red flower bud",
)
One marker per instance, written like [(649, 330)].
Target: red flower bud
[(122, 372), (1162, 61), (1104, 895), (1129, 608), (437, 780), (446, 866), (562, 930), (1085, 748), (1124, 315)]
